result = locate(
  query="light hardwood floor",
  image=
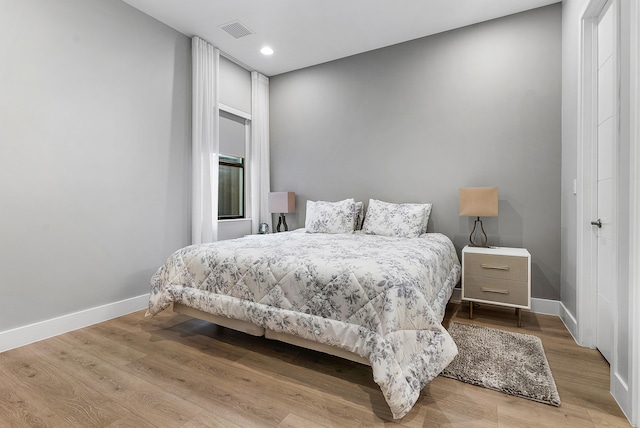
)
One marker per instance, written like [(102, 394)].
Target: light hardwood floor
[(174, 371)]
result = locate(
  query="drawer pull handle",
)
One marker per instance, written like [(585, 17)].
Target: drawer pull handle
[(484, 266), (493, 290)]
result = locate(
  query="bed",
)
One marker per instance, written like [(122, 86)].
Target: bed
[(378, 300)]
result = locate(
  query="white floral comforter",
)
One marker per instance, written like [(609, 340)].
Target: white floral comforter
[(382, 298)]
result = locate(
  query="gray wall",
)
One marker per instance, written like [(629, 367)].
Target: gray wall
[(477, 106), (94, 154)]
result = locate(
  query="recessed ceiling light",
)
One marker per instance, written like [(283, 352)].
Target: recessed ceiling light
[(266, 50)]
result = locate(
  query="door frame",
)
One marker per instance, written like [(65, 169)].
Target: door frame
[(634, 203), (626, 395), (587, 210), (586, 257)]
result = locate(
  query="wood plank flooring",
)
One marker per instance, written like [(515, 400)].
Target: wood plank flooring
[(174, 371)]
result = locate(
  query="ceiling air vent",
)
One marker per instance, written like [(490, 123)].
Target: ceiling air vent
[(236, 29)]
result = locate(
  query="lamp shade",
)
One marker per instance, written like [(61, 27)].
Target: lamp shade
[(282, 202), (478, 201)]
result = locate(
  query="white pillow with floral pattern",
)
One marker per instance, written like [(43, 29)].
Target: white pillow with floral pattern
[(400, 220), (330, 217), (427, 213)]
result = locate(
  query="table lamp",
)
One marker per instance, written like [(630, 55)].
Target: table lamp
[(281, 203), (478, 202)]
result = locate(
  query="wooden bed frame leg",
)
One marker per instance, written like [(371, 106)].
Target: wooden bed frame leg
[(470, 310)]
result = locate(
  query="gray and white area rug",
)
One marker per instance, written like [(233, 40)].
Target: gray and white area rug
[(512, 363)]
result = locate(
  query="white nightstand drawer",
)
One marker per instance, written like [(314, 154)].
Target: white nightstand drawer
[(507, 292), (496, 266)]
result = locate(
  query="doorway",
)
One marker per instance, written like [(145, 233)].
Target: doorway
[(605, 171), (625, 103)]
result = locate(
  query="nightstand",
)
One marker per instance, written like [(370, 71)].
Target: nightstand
[(497, 276)]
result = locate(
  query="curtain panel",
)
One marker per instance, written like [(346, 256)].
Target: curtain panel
[(260, 168), (205, 141)]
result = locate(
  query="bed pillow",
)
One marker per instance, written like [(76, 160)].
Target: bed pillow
[(330, 217), (400, 220), (359, 216), (427, 213)]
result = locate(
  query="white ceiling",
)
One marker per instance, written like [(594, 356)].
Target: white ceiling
[(308, 32)]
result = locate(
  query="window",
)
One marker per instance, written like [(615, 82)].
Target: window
[(231, 163), (230, 187)]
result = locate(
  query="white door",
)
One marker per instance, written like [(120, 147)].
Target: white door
[(605, 226)]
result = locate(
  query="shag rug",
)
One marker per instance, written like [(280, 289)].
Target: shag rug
[(512, 363)]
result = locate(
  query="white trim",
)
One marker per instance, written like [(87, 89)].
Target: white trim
[(25, 335), (234, 220), (586, 287), (545, 306), (569, 321), (586, 291), (634, 203), (538, 306), (620, 393), (21, 336), (248, 189), (234, 111)]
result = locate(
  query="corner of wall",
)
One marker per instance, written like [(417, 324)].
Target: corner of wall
[(569, 321)]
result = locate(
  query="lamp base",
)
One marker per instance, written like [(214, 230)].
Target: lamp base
[(282, 221), (478, 237)]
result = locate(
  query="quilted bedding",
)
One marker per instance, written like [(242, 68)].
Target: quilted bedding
[(382, 298)]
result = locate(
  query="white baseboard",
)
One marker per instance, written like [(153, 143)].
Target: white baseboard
[(538, 306), (21, 336), (569, 321), (620, 392), (545, 306), (42, 330)]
